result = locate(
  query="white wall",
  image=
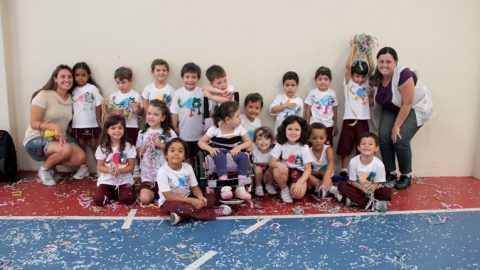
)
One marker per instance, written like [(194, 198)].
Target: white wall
[(256, 42)]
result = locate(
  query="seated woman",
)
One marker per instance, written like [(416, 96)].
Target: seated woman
[(50, 112)]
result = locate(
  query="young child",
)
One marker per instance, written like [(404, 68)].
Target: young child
[(367, 174), (287, 104), (263, 139), (253, 105), (87, 112), (322, 103), (357, 109), (323, 162), (160, 88), (177, 182), (130, 100), (150, 145), (115, 162), (294, 168), (228, 136), (218, 90), (187, 108), (127, 98)]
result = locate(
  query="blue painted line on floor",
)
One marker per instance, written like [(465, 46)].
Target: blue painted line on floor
[(444, 240)]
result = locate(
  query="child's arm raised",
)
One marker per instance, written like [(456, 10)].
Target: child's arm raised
[(348, 65)]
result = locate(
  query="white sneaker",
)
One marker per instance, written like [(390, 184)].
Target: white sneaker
[(336, 193), (46, 177), (226, 209), (226, 193), (174, 218), (81, 173), (348, 202), (241, 193), (270, 189), (285, 194), (381, 206), (259, 191)]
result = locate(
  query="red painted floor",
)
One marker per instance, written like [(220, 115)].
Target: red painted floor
[(74, 198)]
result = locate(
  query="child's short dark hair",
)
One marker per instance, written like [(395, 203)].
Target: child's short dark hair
[(262, 132), (304, 137), (215, 72), (360, 68), (159, 62), (290, 75), (179, 140), (318, 125), (368, 135), (191, 68), (325, 71), (253, 97), (123, 73)]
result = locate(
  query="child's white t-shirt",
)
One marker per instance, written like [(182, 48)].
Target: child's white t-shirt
[(367, 174), (322, 103), (294, 156), (282, 99), (188, 105), (159, 154), (123, 100), (85, 102), (120, 160), (356, 101), (250, 126), (165, 94), (178, 182), (260, 158), (320, 165)]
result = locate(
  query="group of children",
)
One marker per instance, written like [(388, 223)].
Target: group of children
[(296, 157)]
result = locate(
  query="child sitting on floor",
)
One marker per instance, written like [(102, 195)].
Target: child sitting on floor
[(367, 175)]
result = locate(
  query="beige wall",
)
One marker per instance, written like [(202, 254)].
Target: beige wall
[(256, 42)]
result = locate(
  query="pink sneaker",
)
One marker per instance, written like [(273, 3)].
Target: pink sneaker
[(241, 193), (226, 193)]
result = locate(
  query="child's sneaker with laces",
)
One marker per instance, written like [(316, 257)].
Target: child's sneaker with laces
[(241, 193), (226, 193), (285, 195), (81, 173), (174, 218), (226, 210), (46, 177), (381, 206), (259, 191), (270, 189), (336, 193)]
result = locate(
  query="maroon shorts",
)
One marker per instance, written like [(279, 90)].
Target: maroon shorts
[(86, 133), (153, 186), (330, 136), (132, 134), (294, 175), (349, 136)]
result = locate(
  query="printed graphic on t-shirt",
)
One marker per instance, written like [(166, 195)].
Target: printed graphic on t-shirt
[(191, 106), (86, 97), (164, 97), (125, 102), (295, 160), (324, 104), (360, 95), (183, 185), (366, 178), (291, 111)]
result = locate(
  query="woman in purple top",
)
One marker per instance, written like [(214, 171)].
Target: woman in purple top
[(404, 109)]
